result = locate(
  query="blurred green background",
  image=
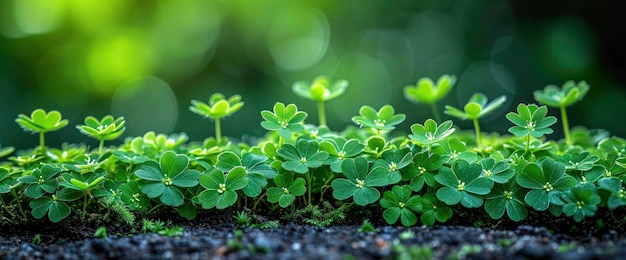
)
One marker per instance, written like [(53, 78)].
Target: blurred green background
[(145, 60)]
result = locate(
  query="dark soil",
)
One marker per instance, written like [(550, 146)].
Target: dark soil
[(213, 236)]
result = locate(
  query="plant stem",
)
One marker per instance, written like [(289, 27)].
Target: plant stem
[(477, 128), (321, 111), (433, 106), (218, 131), (19, 204), (257, 201), (42, 145), (310, 186), (568, 138), (527, 143), (101, 148)]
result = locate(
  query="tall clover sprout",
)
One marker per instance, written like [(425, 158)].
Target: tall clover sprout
[(217, 108), (320, 91)]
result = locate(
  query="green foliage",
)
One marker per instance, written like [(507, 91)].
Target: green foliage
[(55, 205), (339, 149), (367, 226), (161, 228), (322, 215), (302, 157), (41, 180), (165, 179), (434, 210), (320, 91), (423, 170), (565, 96), (581, 201), (464, 184), (383, 119), (476, 108), (4, 151), (507, 197), (107, 128), (217, 108), (41, 122), (221, 188), (359, 182), (257, 171), (430, 133), (101, 232), (427, 92), (531, 120), (400, 204), (286, 120), (286, 190), (546, 183)]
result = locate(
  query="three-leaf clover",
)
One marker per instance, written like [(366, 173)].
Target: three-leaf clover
[(430, 133), (393, 161), (581, 201), (41, 180), (286, 190), (320, 91), (41, 122), (434, 210), (302, 157), (221, 189), (359, 182), (476, 107), (217, 108), (427, 92), (383, 119), (166, 178), (339, 149), (424, 168), (6, 180), (257, 171), (618, 193), (399, 204), (530, 120), (54, 205), (499, 171), (506, 197), (287, 120), (546, 183), (567, 95), (105, 129), (463, 183)]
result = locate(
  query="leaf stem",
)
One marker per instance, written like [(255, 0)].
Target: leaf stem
[(218, 131), (101, 148), (321, 111), (527, 143), (19, 204), (42, 145), (568, 138), (433, 106), (477, 128), (310, 185)]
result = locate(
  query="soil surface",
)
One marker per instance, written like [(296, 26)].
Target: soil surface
[(217, 236)]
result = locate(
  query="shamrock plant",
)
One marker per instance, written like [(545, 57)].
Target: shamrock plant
[(286, 190), (217, 108), (55, 206), (339, 149), (41, 122), (286, 120), (167, 178), (546, 183), (427, 92), (581, 201), (464, 184), (320, 91), (105, 129), (257, 171), (221, 188), (359, 182), (430, 133), (530, 120), (399, 204), (383, 119), (301, 158), (561, 98), (506, 197), (476, 107)]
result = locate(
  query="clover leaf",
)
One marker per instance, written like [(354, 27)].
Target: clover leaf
[(581, 201), (41, 180), (393, 161), (286, 190), (424, 168), (453, 149), (6, 180), (217, 108), (221, 188), (430, 133), (578, 161), (546, 182), (399, 204), (383, 119), (617, 195), (463, 183), (567, 95), (506, 197), (476, 107), (257, 171), (339, 149), (54, 205), (41, 122), (530, 120), (320, 91), (83, 182), (434, 210), (287, 120), (427, 92), (166, 178), (359, 182), (303, 157), (133, 197), (107, 128), (499, 172)]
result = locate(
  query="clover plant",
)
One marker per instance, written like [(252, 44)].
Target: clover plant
[(221, 188), (506, 197), (434, 210), (105, 129), (257, 171), (615, 187), (463, 183), (430, 133), (41, 180), (476, 107), (423, 170), (286, 120), (359, 181), (320, 91), (286, 190), (41, 122), (581, 201), (339, 149), (217, 108), (301, 158), (427, 92), (55, 206), (393, 161), (561, 98), (530, 120), (546, 183), (400, 204), (383, 119), (166, 178)]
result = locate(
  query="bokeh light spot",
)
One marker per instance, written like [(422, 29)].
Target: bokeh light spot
[(38, 16), (569, 46), (147, 104)]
